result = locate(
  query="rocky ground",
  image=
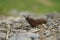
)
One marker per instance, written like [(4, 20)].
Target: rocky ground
[(17, 28)]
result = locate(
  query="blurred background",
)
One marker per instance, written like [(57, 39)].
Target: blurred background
[(12, 7)]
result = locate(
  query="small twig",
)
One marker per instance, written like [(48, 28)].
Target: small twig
[(36, 31), (8, 31)]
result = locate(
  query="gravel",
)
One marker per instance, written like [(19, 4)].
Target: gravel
[(19, 28)]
